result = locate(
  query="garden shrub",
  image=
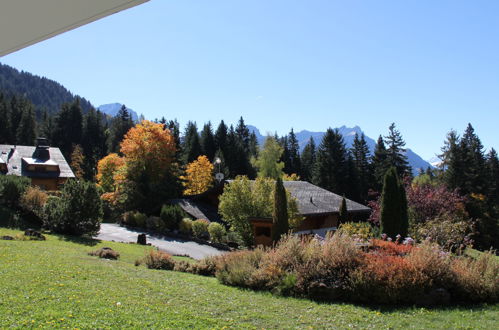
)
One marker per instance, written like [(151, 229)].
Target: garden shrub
[(451, 235), (359, 230), (476, 280), (155, 224), (77, 212), (185, 226), (237, 268), (206, 266), (200, 227), (216, 231), (134, 219), (33, 200), (105, 253), (159, 260), (12, 188), (171, 216)]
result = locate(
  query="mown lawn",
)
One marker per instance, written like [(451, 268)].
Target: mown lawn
[(54, 283)]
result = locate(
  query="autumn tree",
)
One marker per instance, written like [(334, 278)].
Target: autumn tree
[(107, 168), (199, 176), (77, 161)]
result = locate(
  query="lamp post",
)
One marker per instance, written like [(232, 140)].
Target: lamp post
[(219, 176)]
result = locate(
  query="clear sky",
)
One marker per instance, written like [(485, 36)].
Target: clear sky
[(429, 66)]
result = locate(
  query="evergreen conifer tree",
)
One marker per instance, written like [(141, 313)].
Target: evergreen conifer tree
[(243, 135), (379, 164), (120, 125), (4, 120), (308, 160), (68, 128), (294, 160), (360, 153), (343, 213), (221, 136), (493, 177), (208, 146), (331, 170), (27, 127), (280, 212), (395, 152), (393, 217), (191, 146), (253, 145)]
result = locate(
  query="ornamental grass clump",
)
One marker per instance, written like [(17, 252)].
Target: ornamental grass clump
[(105, 253)]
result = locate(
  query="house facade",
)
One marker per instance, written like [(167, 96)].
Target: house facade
[(319, 208), (44, 165)]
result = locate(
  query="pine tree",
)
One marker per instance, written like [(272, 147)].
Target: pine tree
[(27, 127), (493, 177), (174, 128), (331, 170), (352, 186), (394, 218), (4, 120), (191, 146), (253, 145), (294, 160), (77, 161), (243, 135), (360, 153), (308, 161), (343, 213), (453, 161), (280, 212), (475, 177), (47, 126), (396, 153), (208, 146), (120, 125), (93, 142), (221, 137), (379, 164), (16, 111), (68, 128)]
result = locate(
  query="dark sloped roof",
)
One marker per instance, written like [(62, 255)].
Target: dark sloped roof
[(13, 155), (197, 209), (315, 200)]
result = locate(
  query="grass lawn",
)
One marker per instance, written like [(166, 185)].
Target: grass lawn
[(54, 283)]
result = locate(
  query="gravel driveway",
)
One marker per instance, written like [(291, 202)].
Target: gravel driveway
[(174, 246)]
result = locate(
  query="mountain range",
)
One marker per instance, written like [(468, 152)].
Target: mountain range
[(348, 133), (112, 109)]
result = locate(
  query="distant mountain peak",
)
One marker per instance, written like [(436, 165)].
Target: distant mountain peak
[(112, 109)]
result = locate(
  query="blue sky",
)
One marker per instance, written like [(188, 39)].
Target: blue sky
[(428, 66)]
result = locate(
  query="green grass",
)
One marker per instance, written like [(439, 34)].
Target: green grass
[(54, 283)]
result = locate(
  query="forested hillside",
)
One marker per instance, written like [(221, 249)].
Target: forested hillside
[(45, 94)]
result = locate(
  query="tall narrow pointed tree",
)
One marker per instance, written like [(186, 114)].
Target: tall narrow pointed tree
[(343, 213), (280, 212), (379, 164), (27, 127), (207, 140), (394, 218), (308, 160), (191, 146), (395, 152), (360, 153), (294, 162)]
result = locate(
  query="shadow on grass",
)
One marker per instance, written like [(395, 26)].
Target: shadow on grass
[(83, 240)]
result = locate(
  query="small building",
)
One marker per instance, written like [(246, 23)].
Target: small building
[(44, 165), (319, 208)]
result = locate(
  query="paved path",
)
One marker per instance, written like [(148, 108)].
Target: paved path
[(174, 246)]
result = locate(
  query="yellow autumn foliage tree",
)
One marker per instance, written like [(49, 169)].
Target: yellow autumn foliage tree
[(199, 176), (107, 168)]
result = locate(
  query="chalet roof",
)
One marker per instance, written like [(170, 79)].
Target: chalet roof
[(17, 157), (314, 200), (197, 209)]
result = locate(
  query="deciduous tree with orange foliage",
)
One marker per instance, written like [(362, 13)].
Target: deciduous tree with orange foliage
[(199, 176), (107, 168)]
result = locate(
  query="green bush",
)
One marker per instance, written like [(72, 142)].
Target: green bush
[(185, 226), (200, 227), (12, 188), (171, 216), (159, 260), (77, 212), (155, 224), (360, 230), (134, 219), (216, 231)]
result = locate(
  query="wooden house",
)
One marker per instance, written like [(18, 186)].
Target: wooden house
[(44, 165)]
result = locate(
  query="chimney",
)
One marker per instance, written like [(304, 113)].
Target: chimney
[(42, 149)]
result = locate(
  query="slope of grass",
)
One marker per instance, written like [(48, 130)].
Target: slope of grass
[(54, 283)]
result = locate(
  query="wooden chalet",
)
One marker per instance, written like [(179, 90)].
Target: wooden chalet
[(44, 165), (319, 207)]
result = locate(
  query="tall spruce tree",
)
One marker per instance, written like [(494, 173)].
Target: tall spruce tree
[(395, 152), (280, 212), (68, 128), (120, 125), (208, 146), (253, 145), (4, 120), (394, 218), (308, 160), (93, 142), (17, 106), (379, 164), (294, 161), (493, 178), (243, 135), (221, 136), (360, 153), (331, 170), (191, 146), (174, 128), (475, 176), (26, 131)]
